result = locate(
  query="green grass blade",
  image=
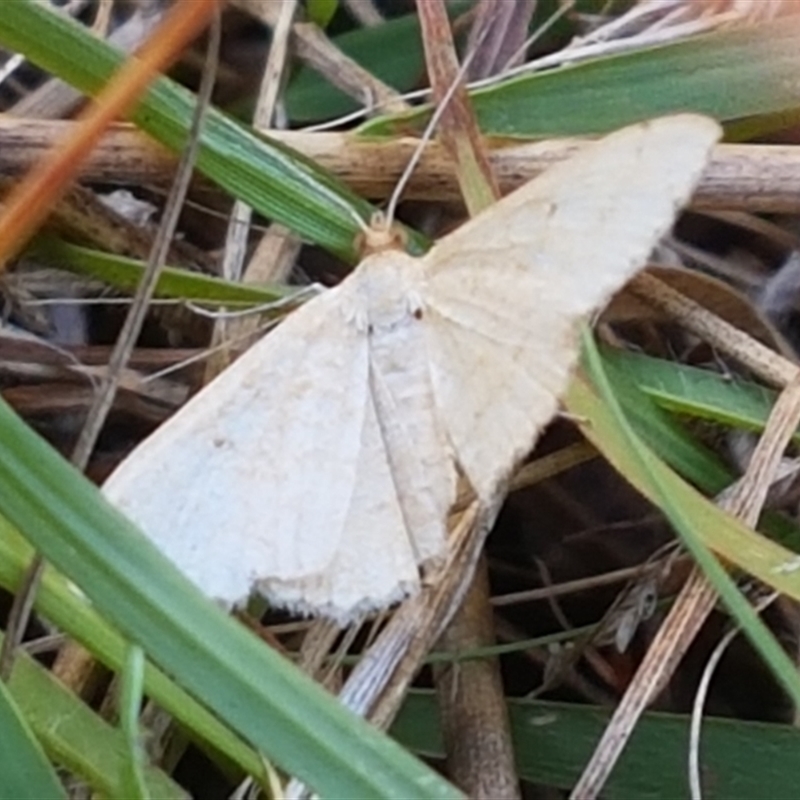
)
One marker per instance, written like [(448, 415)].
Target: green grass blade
[(126, 274), (728, 74), (640, 382), (131, 683), (59, 603), (250, 687), (73, 735), (688, 511), (25, 773), (697, 392), (664, 435)]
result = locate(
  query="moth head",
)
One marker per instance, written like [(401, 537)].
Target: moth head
[(381, 234)]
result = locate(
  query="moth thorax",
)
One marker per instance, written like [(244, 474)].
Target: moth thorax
[(390, 290)]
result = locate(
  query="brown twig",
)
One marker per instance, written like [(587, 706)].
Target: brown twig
[(377, 685), (475, 723), (754, 178)]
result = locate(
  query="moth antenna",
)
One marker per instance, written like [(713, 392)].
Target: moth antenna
[(426, 137)]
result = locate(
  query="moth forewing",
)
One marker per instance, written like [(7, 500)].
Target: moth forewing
[(320, 467), (254, 478), (511, 284)]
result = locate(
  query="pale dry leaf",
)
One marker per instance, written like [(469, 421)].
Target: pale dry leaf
[(320, 467)]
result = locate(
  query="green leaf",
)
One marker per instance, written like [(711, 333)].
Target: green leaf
[(641, 381), (321, 12), (727, 400), (553, 742), (26, 772), (391, 51), (249, 686), (663, 434), (728, 74), (126, 273)]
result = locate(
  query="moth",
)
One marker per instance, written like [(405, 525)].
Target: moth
[(318, 469)]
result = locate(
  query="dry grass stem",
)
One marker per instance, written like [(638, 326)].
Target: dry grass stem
[(760, 359), (84, 219), (365, 12), (315, 49)]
